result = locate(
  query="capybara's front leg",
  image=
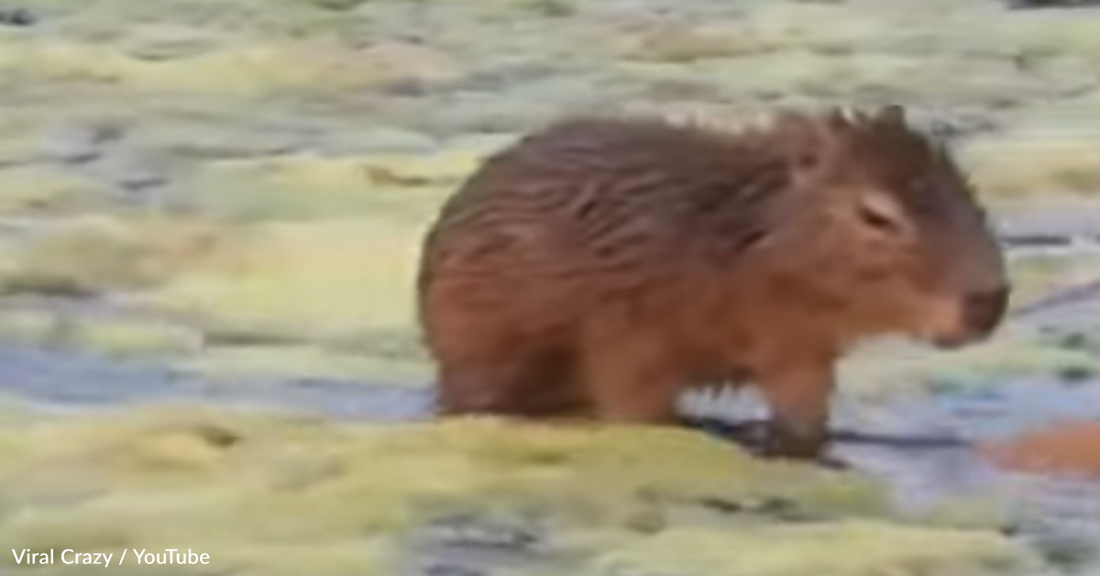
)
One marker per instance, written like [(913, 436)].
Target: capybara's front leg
[(798, 397), (631, 381)]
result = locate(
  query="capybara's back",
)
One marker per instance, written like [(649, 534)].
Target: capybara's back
[(599, 266)]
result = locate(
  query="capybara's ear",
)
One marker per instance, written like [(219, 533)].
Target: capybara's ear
[(891, 114), (837, 120), (804, 140)]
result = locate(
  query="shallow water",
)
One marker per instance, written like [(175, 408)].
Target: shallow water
[(77, 381)]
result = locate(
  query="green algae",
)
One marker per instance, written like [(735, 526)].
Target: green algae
[(281, 495)]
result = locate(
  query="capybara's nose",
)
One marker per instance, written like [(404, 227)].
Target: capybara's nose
[(983, 311)]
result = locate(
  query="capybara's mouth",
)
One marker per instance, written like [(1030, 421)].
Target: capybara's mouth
[(958, 339), (981, 312)]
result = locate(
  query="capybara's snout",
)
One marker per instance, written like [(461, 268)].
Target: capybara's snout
[(979, 314), (983, 311)]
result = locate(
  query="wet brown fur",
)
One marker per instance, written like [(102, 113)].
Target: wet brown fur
[(599, 267)]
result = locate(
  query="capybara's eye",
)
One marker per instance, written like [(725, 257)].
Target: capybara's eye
[(806, 160), (877, 219)]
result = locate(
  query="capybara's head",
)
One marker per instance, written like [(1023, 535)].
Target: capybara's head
[(890, 226)]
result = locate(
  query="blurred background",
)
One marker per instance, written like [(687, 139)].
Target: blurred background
[(210, 215)]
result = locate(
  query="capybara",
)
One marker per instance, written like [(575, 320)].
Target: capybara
[(599, 267)]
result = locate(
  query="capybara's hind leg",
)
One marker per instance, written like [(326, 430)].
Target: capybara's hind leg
[(551, 388), (529, 384), (485, 386)]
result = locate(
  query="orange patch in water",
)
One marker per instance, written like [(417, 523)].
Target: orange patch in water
[(1067, 448)]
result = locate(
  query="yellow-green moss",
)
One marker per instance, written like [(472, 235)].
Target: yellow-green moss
[(33, 190), (279, 495), (301, 281), (853, 548), (86, 255), (308, 186), (681, 43), (1044, 35), (1035, 163), (113, 335), (245, 68), (126, 337), (93, 253), (765, 27)]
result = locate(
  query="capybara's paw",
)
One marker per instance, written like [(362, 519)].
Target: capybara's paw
[(832, 462), (751, 435), (780, 442)]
